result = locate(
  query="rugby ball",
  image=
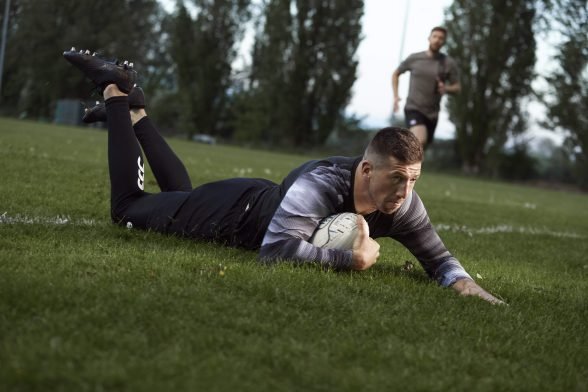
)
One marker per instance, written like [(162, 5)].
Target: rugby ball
[(336, 232)]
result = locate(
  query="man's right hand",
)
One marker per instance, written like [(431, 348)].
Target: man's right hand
[(365, 250), (468, 287), (395, 107)]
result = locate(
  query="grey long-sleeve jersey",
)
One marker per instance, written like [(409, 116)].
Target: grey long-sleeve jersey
[(322, 188)]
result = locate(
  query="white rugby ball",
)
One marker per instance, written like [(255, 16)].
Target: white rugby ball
[(336, 232)]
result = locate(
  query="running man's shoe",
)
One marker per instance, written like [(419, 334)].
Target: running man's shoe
[(103, 72), (98, 112)]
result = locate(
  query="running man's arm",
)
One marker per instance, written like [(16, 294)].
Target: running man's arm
[(454, 88), (402, 68), (396, 99)]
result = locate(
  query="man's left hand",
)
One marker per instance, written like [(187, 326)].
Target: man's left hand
[(441, 87), (468, 287)]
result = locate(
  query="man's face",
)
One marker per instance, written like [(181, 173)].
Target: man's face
[(436, 40), (391, 183)]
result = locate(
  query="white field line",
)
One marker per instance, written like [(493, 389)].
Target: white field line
[(60, 220), (506, 229)]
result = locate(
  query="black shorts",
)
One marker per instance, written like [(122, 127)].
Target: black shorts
[(414, 117), (235, 212)]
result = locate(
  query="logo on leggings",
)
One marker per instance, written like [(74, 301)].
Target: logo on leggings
[(141, 179)]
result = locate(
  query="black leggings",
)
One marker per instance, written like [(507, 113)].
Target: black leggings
[(128, 200)]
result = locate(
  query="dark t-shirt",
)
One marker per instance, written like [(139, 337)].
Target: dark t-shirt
[(423, 94)]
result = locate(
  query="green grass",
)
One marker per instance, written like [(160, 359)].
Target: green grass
[(87, 306)]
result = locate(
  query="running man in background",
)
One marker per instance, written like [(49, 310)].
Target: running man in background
[(432, 75)]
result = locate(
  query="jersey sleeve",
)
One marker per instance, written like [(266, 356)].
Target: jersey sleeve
[(406, 64), (414, 230), (313, 196)]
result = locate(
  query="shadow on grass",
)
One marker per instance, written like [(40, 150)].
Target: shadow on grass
[(415, 272), (170, 243)]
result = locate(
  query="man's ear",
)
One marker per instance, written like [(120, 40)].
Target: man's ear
[(366, 167)]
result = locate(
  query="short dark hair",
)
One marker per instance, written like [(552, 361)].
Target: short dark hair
[(397, 142), (439, 28)]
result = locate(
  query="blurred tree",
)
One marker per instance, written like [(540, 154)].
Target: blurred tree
[(494, 46), (183, 32), (204, 49), (303, 68), (259, 108), (40, 31), (568, 108)]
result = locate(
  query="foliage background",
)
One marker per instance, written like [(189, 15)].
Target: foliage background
[(294, 91)]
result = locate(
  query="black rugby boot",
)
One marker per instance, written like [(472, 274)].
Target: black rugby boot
[(103, 72)]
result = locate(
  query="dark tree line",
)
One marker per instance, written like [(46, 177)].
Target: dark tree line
[(294, 89), (203, 49), (568, 107), (303, 68), (494, 44), (35, 76), (293, 92)]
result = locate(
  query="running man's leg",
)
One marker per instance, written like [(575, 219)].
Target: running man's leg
[(431, 126), (425, 132), (420, 131), (169, 171), (417, 124)]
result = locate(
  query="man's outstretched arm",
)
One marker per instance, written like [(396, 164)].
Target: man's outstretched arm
[(421, 239)]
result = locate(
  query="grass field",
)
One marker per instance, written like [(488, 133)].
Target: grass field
[(87, 306)]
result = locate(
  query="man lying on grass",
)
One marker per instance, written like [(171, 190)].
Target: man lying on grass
[(259, 214)]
